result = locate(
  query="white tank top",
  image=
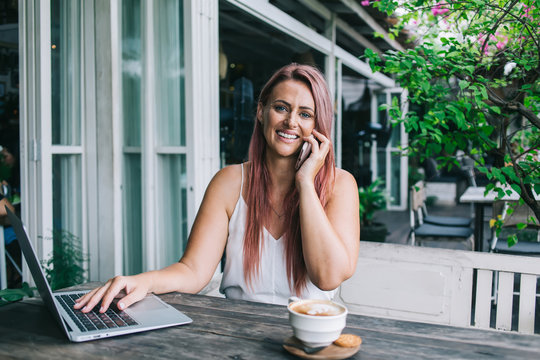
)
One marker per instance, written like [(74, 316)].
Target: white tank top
[(271, 286)]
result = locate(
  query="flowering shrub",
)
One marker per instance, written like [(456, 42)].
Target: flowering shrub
[(473, 73)]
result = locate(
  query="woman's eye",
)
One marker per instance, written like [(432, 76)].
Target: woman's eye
[(305, 115), (280, 108)]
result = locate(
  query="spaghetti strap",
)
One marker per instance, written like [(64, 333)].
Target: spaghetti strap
[(242, 179)]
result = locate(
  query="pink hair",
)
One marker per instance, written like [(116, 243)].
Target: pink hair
[(259, 182)]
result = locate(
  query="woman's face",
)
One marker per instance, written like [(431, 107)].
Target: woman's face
[(288, 117)]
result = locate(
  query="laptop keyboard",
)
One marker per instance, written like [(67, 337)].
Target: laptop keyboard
[(94, 320)]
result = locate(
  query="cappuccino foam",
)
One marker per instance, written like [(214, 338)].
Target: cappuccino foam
[(317, 309)]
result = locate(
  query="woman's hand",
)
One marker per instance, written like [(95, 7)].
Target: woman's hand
[(135, 288), (320, 146)]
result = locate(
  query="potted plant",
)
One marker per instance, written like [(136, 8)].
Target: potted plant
[(66, 266), (372, 199)]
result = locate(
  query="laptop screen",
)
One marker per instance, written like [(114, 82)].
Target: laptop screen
[(34, 265)]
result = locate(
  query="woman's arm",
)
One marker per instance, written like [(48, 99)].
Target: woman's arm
[(203, 253), (330, 235)]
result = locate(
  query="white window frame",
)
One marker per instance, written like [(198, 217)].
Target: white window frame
[(202, 98), (404, 138), (202, 128), (37, 150), (201, 93), (35, 124)]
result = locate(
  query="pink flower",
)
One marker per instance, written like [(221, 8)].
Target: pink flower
[(502, 41), (365, 3), (439, 9), (527, 9), (481, 39)]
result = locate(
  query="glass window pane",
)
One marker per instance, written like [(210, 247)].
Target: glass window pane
[(67, 194), (131, 117), (395, 138), (169, 60), (131, 71), (382, 116), (66, 66), (381, 164), (172, 208), (356, 136), (395, 174), (132, 219)]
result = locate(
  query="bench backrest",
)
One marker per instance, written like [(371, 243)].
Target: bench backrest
[(437, 285)]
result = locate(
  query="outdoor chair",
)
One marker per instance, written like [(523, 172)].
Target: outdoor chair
[(528, 239), (421, 230), (419, 192)]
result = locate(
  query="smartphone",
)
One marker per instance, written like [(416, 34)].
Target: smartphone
[(304, 153)]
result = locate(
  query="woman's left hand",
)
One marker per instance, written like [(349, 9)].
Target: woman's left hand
[(320, 146)]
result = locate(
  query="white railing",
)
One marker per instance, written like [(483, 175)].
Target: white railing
[(439, 285)]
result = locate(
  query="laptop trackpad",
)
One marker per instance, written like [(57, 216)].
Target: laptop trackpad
[(147, 304)]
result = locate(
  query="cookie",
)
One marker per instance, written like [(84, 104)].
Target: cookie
[(348, 340)]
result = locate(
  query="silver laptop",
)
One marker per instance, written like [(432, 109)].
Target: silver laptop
[(147, 314)]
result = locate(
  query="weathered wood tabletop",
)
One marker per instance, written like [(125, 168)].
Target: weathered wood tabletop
[(231, 329)]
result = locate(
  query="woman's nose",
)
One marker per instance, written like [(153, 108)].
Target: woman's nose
[(292, 120)]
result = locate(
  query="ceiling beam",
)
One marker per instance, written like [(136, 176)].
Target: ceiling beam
[(359, 10), (325, 13)]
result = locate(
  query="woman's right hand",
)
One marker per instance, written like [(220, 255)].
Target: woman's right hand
[(133, 289)]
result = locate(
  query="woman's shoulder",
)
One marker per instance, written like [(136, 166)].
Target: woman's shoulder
[(344, 177), (228, 177), (344, 181), (226, 185)]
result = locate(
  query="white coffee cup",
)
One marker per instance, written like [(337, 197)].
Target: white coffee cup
[(316, 322)]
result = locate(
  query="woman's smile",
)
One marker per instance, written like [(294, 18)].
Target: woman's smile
[(287, 136)]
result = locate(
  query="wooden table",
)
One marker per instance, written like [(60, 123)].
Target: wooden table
[(230, 329), (476, 195)]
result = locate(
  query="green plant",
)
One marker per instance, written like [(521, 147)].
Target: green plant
[(10, 295), (66, 266), (372, 198), (472, 75), (415, 175)]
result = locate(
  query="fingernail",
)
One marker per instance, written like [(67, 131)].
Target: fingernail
[(121, 306), (101, 309), (85, 308)]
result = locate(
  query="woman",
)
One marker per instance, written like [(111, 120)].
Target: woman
[(285, 231)]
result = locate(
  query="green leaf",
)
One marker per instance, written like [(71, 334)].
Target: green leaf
[(483, 91), (516, 188), (509, 171), (521, 226), (512, 240), (495, 109), (11, 295)]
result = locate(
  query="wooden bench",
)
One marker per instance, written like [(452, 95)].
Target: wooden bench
[(439, 285)]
